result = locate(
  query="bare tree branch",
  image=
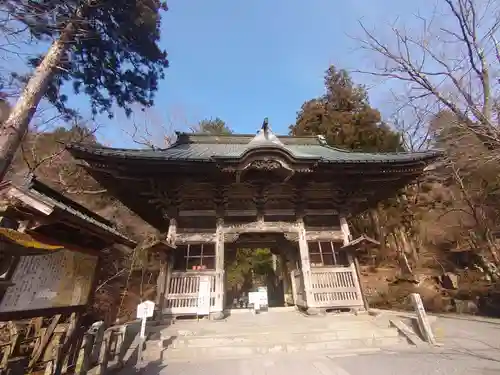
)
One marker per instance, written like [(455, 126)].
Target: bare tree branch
[(449, 62)]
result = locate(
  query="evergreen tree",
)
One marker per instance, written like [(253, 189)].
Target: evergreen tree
[(107, 49), (214, 126), (344, 116)]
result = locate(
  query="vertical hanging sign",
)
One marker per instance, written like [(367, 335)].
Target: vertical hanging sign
[(204, 295)]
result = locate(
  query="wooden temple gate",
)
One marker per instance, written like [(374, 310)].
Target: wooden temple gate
[(205, 191), (313, 286)]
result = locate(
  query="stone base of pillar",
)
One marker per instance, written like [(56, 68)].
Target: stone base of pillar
[(359, 310), (314, 311), (217, 315)]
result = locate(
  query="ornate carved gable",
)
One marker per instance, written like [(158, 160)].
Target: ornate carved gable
[(267, 159)]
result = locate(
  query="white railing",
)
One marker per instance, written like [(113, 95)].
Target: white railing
[(331, 287), (335, 287), (182, 294)]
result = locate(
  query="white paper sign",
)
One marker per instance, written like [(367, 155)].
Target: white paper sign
[(145, 309), (263, 300), (253, 297), (204, 295)]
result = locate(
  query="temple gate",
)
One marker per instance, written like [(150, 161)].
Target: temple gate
[(205, 192)]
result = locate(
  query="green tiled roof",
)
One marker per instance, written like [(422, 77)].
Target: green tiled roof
[(201, 147)]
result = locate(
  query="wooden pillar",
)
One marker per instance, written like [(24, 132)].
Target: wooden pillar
[(286, 277), (344, 227), (161, 285), (305, 263), (353, 261), (172, 231), (218, 310)]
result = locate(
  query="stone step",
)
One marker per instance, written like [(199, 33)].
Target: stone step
[(247, 335), (281, 337), (311, 325), (244, 350)]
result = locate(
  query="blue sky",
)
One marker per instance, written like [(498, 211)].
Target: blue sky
[(243, 61)]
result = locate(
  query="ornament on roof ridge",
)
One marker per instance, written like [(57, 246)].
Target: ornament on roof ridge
[(265, 136), (265, 125)]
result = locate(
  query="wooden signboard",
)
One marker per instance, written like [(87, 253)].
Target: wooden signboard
[(59, 279)]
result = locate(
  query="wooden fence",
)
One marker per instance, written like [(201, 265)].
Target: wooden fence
[(331, 287), (182, 297), (98, 352)]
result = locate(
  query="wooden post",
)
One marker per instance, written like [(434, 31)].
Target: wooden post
[(85, 355), (344, 227), (305, 263), (44, 341), (108, 342), (285, 275), (16, 366), (423, 322), (353, 261), (218, 312), (172, 231), (161, 285), (170, 267)]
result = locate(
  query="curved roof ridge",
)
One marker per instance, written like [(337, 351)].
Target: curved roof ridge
[(340, 149)]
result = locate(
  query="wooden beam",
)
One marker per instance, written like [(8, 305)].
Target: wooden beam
[(28, 314), (241, 213), (261, 227), (324, 235), (313, 212), (185, 238), (189, 213), (30, 201), (44, 341)]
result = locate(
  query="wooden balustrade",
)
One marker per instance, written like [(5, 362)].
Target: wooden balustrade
[(183, 292), (331, 287), (335, 287)]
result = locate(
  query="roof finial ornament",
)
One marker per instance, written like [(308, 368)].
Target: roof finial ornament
[(265, 126)]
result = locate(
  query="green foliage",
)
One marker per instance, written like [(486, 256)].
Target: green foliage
[(214, 126), (344, 116), (240, 269), (113, 57)]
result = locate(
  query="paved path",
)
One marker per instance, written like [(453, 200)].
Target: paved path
[(383, 363)]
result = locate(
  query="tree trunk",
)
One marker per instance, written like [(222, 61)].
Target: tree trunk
[(379, 231), (489, 267), (399, 243), (13, 130)]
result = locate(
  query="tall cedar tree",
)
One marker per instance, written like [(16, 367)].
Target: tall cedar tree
[(344, 116), (107, 49), (214, 126)]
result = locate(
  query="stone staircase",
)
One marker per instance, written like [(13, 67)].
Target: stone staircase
[(284, 331)]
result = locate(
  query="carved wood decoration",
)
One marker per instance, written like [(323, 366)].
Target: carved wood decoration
[(325, 235), (292, 237), (195, 204), (268, 159), (336, 189), (261, 227), (231, 237), (186, 238)]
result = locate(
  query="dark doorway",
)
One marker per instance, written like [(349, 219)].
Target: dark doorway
[(251, 263)]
